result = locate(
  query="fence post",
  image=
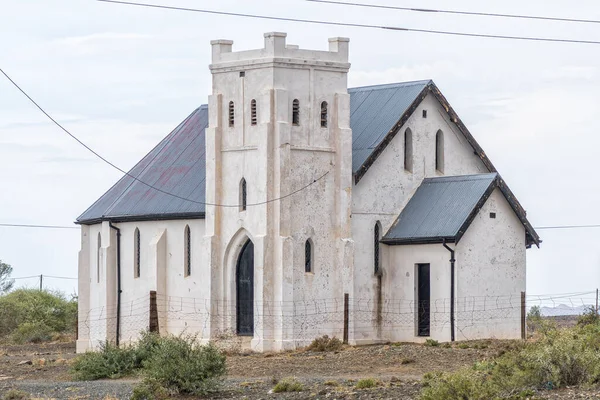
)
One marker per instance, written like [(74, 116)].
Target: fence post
[(346, 317), (523, 317), (153, 323), (596, 301)]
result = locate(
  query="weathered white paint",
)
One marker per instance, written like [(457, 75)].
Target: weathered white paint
[(276, 158)]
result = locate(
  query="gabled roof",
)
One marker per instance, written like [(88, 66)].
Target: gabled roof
[(442, 209), (177, 165), (374, 111), (407, 96)]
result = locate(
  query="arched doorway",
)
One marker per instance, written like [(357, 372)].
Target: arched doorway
[(244, 286)]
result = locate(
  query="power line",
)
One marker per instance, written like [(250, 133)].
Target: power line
[(136, 178), (431, 10), (355, 25), (38, 226), (567, 227)]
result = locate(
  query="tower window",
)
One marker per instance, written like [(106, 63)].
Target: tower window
[(253, 112), (137, 254), (439, 151), (408, 150), (296, 112), (424, 113), (187, 256), (231, 114), (243, 194), (308, 256), (376, 239), (324, 114)]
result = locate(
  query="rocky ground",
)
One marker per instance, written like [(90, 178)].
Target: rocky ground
[(42, 371)]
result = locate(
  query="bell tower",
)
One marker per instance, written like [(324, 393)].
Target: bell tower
[(279, 174)]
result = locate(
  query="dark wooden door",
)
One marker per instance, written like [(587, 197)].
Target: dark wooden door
[(423, 295), (245, 291)]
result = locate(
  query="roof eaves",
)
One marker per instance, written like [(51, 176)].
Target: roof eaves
[(145, 217), (531, 234), (419, 240)]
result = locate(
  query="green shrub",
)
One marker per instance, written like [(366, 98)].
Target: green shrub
[(366, 383), (146, 346), (148, 391), (109, 362), (181, 365), (566, 357), (44, 310), (325, 343), (14, 394), (431, 343), (32, 332), (288, 385), (589, 317)]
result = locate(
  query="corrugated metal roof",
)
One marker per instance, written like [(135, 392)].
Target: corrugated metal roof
[(440, 208), (177, 165), (374, 110)]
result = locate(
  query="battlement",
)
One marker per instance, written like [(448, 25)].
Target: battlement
[(276, 50)]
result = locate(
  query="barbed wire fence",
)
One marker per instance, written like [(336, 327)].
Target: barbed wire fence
[(304, 320)]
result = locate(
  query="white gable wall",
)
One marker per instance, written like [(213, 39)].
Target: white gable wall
[(386, 188)]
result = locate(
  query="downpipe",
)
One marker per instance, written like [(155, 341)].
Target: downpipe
[(452, 261), (118, 324)]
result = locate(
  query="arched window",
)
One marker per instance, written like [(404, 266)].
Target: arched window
[(187, 248), (253, 112), (137, 265), (439, 151), (231, 114), (324, 114), (98, 256), (243, 195), (308, 256), (408, 150), (296, 112), (376, 255)]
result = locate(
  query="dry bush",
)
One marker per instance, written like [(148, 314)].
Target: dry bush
[(325, 343), (288, 385)]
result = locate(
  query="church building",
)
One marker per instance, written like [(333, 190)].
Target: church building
[(291, 207)]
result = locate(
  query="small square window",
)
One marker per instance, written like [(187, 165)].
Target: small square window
[(424, 113), (242, 74), (492, 215)]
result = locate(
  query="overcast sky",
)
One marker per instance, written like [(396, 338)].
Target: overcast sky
[(122, 77)]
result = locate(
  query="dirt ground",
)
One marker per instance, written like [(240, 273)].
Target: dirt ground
[(397, 368)]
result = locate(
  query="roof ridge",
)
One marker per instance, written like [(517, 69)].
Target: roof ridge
[(390, 85)]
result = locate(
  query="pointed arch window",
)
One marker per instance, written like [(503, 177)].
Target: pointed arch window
[(137, 264), (231, 114), (308, 256), (243, 195), (324, 114), (187, 245), (253, 117), (99, 247), (439, 151), (296, 112), (408, 150), (376, 254)]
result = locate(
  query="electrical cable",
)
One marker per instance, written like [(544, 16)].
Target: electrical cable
[(136, 178), (355, 25), (38, 226), (472, 13)]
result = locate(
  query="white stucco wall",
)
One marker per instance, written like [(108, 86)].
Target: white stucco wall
[(386, 188), (180, 299), (490, 274)]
